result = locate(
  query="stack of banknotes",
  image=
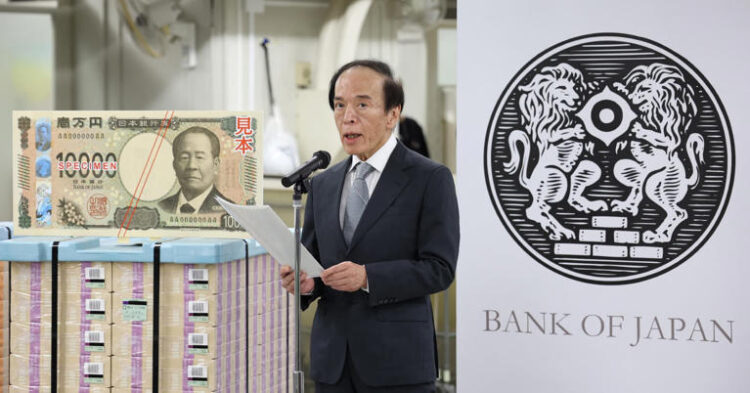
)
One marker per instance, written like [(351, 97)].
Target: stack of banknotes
[(5, 233), (84, 336), (202, 337), (223, 328), (271, 328)]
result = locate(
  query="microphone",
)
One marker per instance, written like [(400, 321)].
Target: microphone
[(320, 160)]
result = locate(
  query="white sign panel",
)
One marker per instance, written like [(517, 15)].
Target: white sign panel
[(600, 176)]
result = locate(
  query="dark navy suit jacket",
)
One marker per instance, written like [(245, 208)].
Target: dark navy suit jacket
[(408, 240), (210, 205)]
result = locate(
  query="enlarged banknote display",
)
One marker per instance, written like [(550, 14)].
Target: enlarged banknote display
[(149, 173)]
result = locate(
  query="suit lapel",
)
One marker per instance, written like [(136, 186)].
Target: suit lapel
[(172, 203), (209, 201), (391, 182), (331, 190)]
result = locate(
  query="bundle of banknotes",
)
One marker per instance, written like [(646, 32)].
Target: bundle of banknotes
[(85, 317), (202, 337), (5, 233), (4, 326), (224, 327)]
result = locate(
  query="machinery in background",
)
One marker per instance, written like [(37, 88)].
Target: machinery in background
[(154, 24), (280, 154)]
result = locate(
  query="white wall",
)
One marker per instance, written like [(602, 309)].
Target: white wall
[(26, 83), (293, 34), (111, 72)]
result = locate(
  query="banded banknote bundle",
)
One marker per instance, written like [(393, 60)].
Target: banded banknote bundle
[(146, 173)]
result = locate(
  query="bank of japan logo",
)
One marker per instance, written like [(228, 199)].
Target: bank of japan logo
[(609, 159)]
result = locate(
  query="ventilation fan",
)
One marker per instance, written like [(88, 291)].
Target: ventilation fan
[(423, 13), (154, 23)]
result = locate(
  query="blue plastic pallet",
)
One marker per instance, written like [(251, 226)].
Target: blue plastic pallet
[(29, 248), (183, 250), (6, 230)]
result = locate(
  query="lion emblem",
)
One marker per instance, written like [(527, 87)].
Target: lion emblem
[(609, 158), (666, 107), (547, 104)]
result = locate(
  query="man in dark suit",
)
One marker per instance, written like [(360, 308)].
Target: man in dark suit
[(384, 225), (196, 165)]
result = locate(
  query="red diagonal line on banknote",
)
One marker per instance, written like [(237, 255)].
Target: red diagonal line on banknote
[(138, 185), (131, 209), (158, 147), (160, 138)]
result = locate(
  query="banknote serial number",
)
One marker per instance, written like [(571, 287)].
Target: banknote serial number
[(80, 135), (227, 221), (193, 220), (83, 165)]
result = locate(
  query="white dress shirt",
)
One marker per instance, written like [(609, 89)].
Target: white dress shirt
[(377, 161), (196, 202)]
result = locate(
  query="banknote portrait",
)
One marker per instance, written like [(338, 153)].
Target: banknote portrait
[(196, 162)]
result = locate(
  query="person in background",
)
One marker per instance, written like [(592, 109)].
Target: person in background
[(411, 134)]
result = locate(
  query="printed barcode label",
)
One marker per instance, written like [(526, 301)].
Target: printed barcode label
[(94, 337), (94, 305), (198, 274), (93, 368), (198, 339), (94, 273), (134, 310), (197, 372), (198, 307)]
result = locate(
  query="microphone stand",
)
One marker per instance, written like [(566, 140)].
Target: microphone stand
[(298, 177), (299, 375)]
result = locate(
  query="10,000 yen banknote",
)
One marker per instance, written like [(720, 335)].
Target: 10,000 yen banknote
[(115, 173)]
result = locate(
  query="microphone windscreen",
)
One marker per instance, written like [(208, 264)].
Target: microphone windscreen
[(325, 158)]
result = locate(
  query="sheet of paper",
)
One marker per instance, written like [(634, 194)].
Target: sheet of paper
[(267, 228)]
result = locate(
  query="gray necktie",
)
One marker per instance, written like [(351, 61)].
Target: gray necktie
[(356, 200)]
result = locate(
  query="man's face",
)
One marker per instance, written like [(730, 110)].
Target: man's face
[(194, 165), (359, 110)]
